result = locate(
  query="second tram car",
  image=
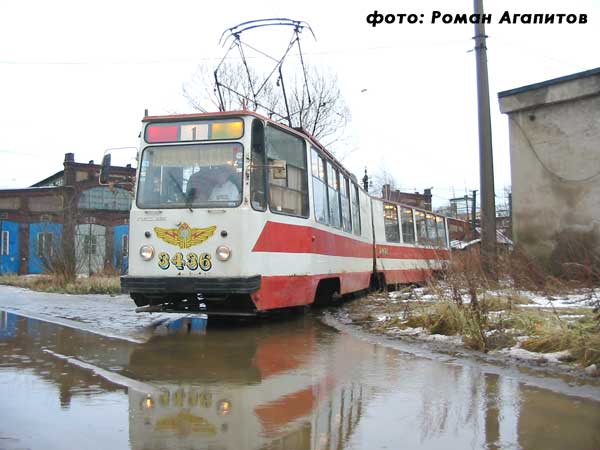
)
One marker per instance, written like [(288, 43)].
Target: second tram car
[(235, 213)]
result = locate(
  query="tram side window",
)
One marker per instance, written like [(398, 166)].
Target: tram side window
[(319, 188), (408, 226), (441, 231), (258, 196), (290, 195), (421, 228), (431, 229), (345, 198), (390, 220), (456, 230), (355, 209), (333, 181)]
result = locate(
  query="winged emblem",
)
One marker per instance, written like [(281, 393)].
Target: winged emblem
[(185, 236)]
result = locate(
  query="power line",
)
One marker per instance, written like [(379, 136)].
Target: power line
[(16, 152), (210, 58)]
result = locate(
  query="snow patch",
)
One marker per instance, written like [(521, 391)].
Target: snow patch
[(112, 377), (410, 331), (455, 340), (521, 354), (76, 325)]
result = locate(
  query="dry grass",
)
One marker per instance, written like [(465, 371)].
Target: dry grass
[(581, 338), (96, 284), (439, 318), (485, 310)]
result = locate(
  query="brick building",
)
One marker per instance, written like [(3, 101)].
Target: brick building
[(68, 213), (416, 199)]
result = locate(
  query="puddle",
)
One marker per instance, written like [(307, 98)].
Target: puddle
[(287, 384)]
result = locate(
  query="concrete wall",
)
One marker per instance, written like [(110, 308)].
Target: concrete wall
[(554, 131)]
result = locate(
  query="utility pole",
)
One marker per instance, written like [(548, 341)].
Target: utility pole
[(510, 214), (474, 210), (2, 250), (486, 162)]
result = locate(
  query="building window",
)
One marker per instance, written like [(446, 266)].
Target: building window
[(89, 244), (4, 245), (115, 199), (289, 195), (44, 245), (125, 245), (390, 220), (408, 226)]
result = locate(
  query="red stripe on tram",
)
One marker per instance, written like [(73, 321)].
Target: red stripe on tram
[(279, 237)]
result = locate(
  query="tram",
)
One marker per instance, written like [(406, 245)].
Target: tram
[(260, 396), (235, 213)]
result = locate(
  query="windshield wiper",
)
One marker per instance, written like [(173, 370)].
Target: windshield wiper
[(187, 196)]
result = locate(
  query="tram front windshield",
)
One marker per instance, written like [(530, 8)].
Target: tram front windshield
[(191, 176)]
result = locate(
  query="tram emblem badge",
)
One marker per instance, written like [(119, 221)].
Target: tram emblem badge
[(185, 236)]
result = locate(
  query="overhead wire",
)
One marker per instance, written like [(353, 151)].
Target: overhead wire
[(214, 58)]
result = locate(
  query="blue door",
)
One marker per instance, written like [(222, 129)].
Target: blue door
[(9, 247), (44, 238), (121, 247), (8, 325)]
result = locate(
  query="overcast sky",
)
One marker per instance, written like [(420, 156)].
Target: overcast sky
[(76, 76)]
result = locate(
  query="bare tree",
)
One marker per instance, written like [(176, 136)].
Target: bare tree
[(317, 106), (325, 115), (381, 177), (202, 95)]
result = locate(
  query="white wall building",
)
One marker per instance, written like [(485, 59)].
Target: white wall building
[(555, 164)]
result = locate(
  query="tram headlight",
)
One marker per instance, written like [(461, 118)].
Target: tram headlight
[(223, 407), (148, 402), (146, 252), (223, 253)]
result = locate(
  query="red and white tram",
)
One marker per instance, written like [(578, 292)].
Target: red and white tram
[(235, 213)]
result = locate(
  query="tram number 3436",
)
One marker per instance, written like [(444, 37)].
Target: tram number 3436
[(192, 261)]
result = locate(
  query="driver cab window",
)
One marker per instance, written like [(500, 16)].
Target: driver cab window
[(186, 176), (258, 190)]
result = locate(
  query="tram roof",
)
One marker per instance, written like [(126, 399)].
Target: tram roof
[(301, 132)]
